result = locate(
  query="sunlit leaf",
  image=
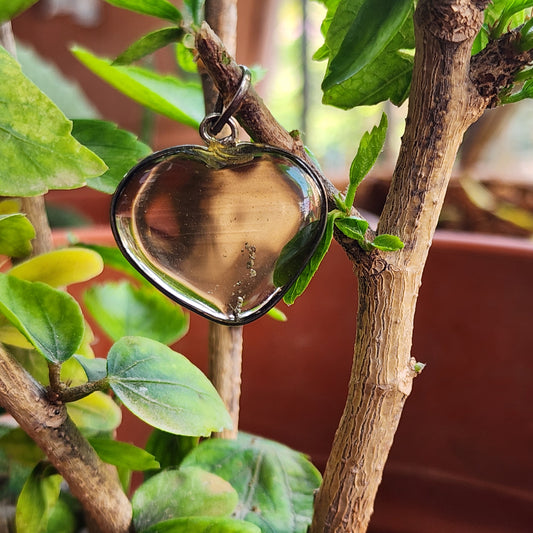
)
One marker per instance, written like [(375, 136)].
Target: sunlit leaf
[(353, 227), (38, 497), (387, 243), (123, 454), (119, 149), (275, 484), (181, 493), (156, 8), (376, 24), (164, 389), (148, 44), (60, 268), (369, 149), (95, 413), (167, 95), (122, 310), (16, 233), (36, 148), (50, 319)]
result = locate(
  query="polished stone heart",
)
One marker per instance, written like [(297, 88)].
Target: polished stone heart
[(223, 230)]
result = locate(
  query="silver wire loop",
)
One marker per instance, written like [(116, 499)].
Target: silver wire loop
[(210, 128), (206, 129)]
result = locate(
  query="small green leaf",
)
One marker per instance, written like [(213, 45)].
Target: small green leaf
[(203, 524), (16, 233), (275, 484), (169, 449), (182, 493), (95, 413), (122, 310), (36, 148), (119, 149), (156, 8), (185, 58), (60, 268), (308, 272), (353, 227), (510, 14), (123, 454), (148, 44), (37, 499), (387, 243), (526, 36), (164, 389), (369, 149), (167, 95), (195, 7), (11, 8), (95, 369), (277, 314), (50, 319), (375, 26)]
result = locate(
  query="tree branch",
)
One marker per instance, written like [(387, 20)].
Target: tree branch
[(94, 483)]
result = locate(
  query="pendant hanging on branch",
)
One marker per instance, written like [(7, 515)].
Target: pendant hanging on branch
[(226, 229)]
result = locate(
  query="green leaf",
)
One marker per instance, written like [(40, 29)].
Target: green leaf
[(387, 78), (167, 95), (11, 8), (169, 449), (36, 148), (20, 448), (275, 484), (185, 59), (50, 319), (164, 389), (119, 149), (95, 413), (123, 454), (148, 44), (122, 310), (95, 369), (156, 8), (308, 272), (353, 227), (62, 518), (16, 233), (38, 497), (65, 92), (60, 268), (203, 524), (369, 149), (387, 243), (182, 493), (194, 8), (510, 14), (376, 24)]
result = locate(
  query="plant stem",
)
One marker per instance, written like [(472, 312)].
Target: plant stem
[(225, 343), (73, 394), (95, 484)]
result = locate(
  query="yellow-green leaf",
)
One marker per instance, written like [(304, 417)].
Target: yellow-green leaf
[(95, 413), (60, 267)]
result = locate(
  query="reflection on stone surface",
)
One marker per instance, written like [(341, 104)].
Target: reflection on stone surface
[(209, 230)]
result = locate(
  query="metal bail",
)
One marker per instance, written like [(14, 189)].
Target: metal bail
[(213, 123)]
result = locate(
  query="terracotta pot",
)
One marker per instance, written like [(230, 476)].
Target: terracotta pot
[(461, 460)]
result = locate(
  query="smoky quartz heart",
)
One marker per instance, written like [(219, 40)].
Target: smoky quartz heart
[(223, 230)]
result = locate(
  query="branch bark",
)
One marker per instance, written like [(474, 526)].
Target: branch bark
[(94, 483)]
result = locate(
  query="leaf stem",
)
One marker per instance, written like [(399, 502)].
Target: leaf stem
[(73, 394)]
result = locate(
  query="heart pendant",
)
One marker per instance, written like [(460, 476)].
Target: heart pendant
[(223, 230)]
